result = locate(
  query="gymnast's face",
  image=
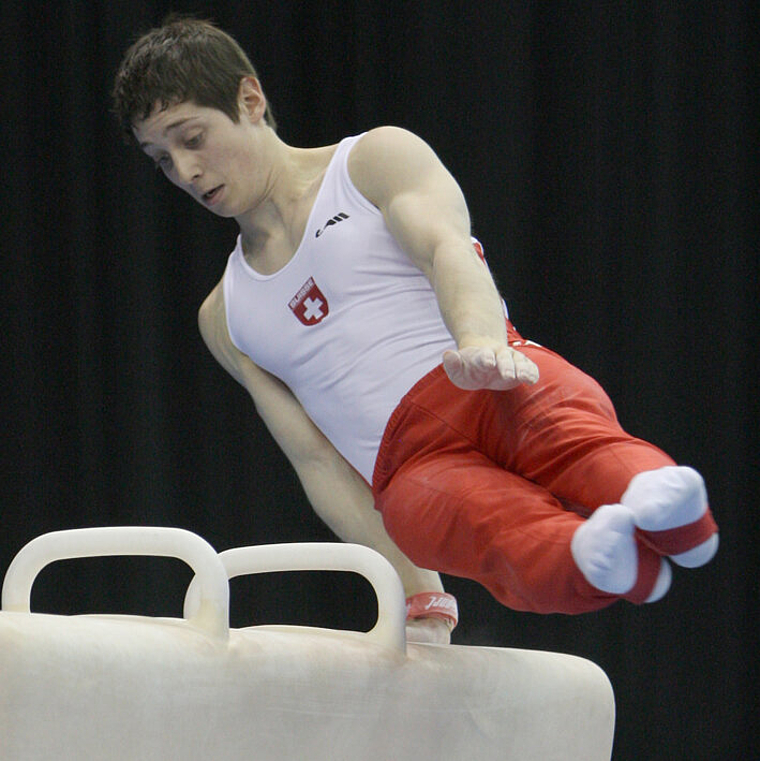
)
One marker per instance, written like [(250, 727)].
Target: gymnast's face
[(202, 151)]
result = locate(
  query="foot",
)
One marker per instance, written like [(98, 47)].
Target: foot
[(699, 555), (666, 498), (604, 549), (662, 584), (670, 498)]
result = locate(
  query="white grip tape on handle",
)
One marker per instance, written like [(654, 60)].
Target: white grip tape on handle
[(325, 556), (212, 611)]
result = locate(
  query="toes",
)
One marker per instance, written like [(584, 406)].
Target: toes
[(666, 498)]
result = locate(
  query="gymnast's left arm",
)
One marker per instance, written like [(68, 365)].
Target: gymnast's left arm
[(338, 494), (344, 502), (425, 210)]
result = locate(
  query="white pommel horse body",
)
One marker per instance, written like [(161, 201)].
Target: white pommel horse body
[(115, 687)]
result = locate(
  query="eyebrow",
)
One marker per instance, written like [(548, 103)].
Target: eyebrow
[(168, 127)]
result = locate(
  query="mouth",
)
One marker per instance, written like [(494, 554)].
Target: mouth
[(212, 196)]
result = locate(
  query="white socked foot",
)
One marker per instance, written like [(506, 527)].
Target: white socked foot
[(666, 498), (604, 549), (699, 555), (662, 584)]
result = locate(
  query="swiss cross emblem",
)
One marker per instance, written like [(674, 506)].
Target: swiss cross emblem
[(309, 304)]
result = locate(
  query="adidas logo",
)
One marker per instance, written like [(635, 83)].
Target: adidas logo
[(334, 221)]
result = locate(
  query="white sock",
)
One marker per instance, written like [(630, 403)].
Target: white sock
[(604, 549), (699, 555), (662, 584), (666, 498)]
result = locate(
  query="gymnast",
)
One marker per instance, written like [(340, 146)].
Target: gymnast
[(360, 314)]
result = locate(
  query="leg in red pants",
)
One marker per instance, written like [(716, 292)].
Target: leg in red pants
[(477, 484)]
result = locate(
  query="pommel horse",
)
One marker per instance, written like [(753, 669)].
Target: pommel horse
[(117, 687)]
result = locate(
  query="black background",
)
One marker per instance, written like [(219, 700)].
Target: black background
[(604, 149)]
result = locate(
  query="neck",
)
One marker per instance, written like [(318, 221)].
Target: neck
[(290, 184)]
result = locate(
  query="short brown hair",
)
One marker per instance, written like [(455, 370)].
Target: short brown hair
[(184, 60)]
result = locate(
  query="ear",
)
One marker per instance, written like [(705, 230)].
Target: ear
[(251, 98)]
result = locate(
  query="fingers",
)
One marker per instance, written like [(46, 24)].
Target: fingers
[(475, 367), (505, 362), (452, 363), (428, 630), (471, 368), (517, 366)]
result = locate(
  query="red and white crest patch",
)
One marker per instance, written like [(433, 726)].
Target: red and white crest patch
[(309, 304)]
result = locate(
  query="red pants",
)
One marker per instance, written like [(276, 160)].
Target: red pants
[(491, 485)]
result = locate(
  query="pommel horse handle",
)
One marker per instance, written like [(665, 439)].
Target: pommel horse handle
[(210, 615), (325, 556)]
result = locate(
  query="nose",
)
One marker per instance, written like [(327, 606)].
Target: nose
[(186, 168)]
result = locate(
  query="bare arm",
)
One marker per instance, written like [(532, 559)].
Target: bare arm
[(425, 210), (335, 490)]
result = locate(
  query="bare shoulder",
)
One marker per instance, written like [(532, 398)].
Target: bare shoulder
[(267, 392), (381, 145), (382, 139), (212, 323), (211, 317), (387, 159)]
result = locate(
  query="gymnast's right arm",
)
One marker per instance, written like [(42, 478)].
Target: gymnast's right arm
[(338, 494)]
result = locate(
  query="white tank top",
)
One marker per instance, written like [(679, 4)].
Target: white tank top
[(349, 324)]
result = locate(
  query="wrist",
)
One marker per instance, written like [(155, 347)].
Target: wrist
[(493, 340), (440, 605)]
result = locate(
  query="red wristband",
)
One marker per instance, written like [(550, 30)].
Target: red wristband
[(433, 605)]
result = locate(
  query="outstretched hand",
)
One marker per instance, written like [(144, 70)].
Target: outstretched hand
[(428, 630), (483, 367)]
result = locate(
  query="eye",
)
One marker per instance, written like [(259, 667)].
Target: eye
[(163, 162), (194, 141)]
